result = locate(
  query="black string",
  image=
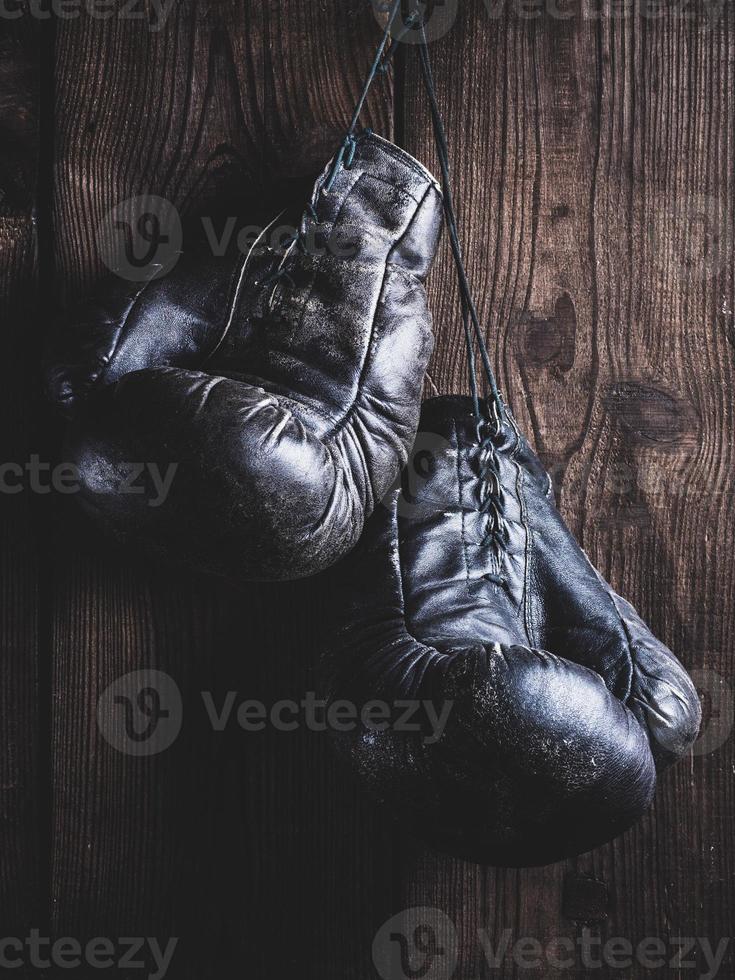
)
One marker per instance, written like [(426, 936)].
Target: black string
[(374, 67), (492, 498), (347, 149), (344, 157), (410, 24), (469, 310)]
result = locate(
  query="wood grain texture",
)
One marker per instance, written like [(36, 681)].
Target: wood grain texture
[(593, 161), (21, 828), (239, 844), (596, 193)]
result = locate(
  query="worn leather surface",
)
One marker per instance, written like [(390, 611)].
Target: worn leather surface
[(286, 406), (563, 704)]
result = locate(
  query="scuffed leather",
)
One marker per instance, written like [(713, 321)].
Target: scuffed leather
[(287, 407), (563, 704)]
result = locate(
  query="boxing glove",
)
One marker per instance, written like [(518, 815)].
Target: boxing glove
[(277, 391), (506, 702)]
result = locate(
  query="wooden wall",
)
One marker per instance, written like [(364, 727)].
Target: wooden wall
[(594, 158)]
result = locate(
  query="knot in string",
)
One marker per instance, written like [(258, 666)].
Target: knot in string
[(344, 158), (411, 23), (346, 152)]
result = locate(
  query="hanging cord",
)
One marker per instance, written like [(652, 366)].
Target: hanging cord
[(492, 502), (346, 151), (469, 310), (411, 23), (344, 157)]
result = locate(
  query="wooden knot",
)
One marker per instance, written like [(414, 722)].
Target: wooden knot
[(584, 899)]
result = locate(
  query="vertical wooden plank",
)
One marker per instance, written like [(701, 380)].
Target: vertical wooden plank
[(21, 832), (236, 844), (593, 167), (658, 462)]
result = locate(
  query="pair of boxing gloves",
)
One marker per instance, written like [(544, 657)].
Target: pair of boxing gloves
[(283, 391)]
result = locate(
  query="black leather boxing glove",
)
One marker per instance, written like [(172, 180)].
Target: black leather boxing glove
[(556, 703), (280, 391)]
